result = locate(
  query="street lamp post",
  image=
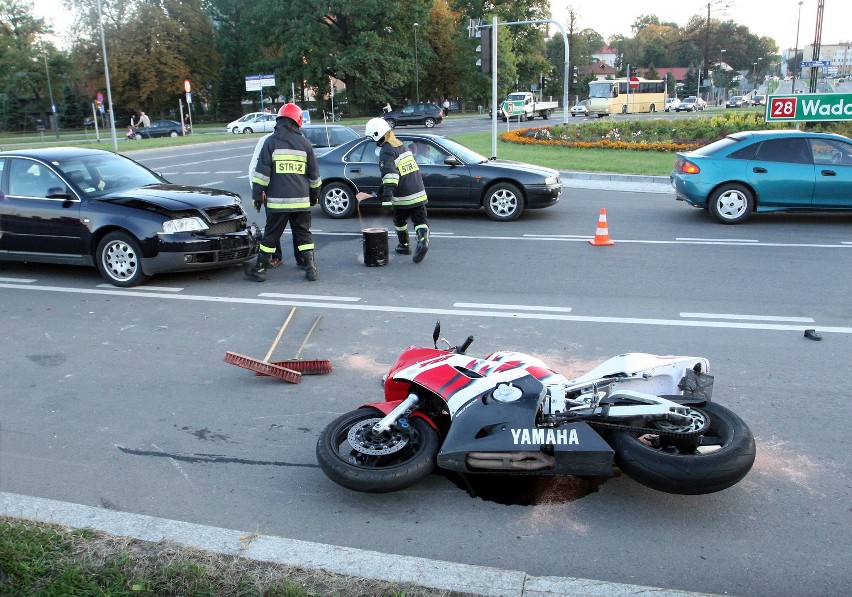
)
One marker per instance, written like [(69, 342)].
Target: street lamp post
[(52, 104), (796, 50), (416, 64)]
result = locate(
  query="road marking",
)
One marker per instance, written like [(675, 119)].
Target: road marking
[(352, 299), (717, 240), (154, 288), (229, 172), (583, 239), (516, 307), (210, 184), (746, 317), (434, 311), (20, 280), (580, 236), (197, 172)]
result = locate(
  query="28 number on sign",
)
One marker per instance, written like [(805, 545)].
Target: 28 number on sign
[(783, 107)]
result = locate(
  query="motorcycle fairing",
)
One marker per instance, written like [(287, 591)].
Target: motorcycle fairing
[(458, 378), (487, 433)]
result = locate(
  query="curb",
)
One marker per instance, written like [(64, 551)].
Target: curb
[(627, 178), (436, 574)]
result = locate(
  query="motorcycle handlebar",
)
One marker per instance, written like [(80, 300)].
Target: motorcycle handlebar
[(461, 349)]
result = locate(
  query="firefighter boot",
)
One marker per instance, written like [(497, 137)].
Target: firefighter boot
[(310, 265), (404, 246), (422, 244), (257, 272)]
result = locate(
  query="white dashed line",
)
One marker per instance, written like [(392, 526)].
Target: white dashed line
[(154, 288), (746, 317), (515, 307), (351, 299)]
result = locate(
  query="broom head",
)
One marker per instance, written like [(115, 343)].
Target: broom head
[(305, 366), (263, 368)]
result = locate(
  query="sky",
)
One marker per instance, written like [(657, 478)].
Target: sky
[(777, 19)]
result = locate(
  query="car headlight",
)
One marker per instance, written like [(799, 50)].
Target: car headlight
[(551, 180), (184, 225)]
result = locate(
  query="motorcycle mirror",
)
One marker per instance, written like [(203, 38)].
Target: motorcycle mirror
[(437, 333)]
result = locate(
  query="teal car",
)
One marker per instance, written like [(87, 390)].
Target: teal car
[(762, 171)]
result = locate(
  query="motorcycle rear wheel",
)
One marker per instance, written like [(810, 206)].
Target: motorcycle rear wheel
[(725, 456), (395, 461)]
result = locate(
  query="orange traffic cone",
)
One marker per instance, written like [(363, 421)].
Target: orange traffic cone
[(602, 233)]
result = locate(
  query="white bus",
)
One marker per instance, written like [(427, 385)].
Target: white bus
[(616, 97)]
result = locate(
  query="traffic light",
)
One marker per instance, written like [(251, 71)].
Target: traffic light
[(576, 74), (543, 82), (484, 48)]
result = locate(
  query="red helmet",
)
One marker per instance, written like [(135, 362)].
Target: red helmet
[(291, 111)]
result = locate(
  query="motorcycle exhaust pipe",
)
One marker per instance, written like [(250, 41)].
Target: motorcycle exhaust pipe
[(527, 461)]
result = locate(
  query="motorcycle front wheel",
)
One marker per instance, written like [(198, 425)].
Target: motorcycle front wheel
[(352, 455), (721, 458)]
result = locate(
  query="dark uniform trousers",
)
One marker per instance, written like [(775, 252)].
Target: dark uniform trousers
[(276, 223), (417, 213)]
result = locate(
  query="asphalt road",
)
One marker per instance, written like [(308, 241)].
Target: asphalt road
[(120, 399)]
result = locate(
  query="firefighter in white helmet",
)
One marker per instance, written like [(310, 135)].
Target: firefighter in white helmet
[(402, 187)]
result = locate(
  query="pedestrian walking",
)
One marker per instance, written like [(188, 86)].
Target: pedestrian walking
[(287, 180), (144, 121), (402, 187)]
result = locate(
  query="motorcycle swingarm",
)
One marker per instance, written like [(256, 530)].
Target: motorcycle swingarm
[(627, 404)]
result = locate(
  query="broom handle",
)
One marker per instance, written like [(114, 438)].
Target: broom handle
[(305, 341), (278, 338)]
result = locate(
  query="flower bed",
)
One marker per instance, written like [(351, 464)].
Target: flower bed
[(656, 134)]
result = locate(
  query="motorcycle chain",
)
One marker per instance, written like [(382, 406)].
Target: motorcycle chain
[(650, 430)]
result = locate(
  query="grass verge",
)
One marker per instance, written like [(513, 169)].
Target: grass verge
[(649, 163), (45, 560)]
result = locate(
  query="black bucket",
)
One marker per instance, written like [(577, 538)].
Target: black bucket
[(375, 247)]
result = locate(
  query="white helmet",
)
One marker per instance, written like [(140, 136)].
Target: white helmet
[(376, 129)]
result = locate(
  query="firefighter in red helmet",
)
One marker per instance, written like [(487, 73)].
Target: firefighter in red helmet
[(286, 179)]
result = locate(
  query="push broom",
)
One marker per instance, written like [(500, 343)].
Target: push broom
[(306, 366), (264, 367)]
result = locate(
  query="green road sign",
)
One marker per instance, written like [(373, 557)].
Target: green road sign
[(802, 107)]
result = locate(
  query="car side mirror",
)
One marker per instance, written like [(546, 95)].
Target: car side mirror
[(452, 160)]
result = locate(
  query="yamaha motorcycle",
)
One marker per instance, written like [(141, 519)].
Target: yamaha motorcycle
[(651, 416)]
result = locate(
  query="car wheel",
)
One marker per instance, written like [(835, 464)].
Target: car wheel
[(119, 260), (573, 115), (504, 202), (429, 122), (235, 130), (172, 134), (545, 114), (391, 122), (653, 108), (248, 130), (731, 203), (137, 136), (624, 109), (523, 117), (337, 200)]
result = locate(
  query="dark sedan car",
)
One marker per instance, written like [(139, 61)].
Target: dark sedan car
[(92, 207), (454, 177), (766, 171), (424, 114), (160, 128)]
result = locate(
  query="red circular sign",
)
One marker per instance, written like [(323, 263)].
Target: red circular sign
[(634, 82), (187, 86)]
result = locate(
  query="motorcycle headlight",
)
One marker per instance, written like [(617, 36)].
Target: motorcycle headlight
[(551, 180), (184, 225)]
